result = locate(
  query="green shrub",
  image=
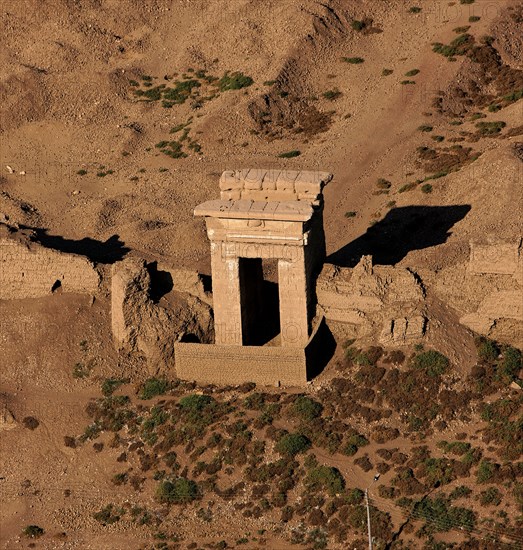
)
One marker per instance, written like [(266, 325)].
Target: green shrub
[(425, 128), (460, 492), (33, 531), (292, 444), (80, 370), (432, 362), (353, 60), (382, 183), (290, 154), (487, 349), (426, 188), (179, 491), (153, 387), (234, 81), (331, 95), (459, 46), (326, 478), (195, 402), (511, 362), (415, 9), (407, 187), (466, 1), (407, 82), (412, 72), (386, 72), (490, 128), (354, 497), (441, 516), (110, 385), (82, 172), (474, 18), (350, 214), (461, 30), (358, 25), (490, 497), (486, 471), (439, 139), (109, 515), (306, 408)]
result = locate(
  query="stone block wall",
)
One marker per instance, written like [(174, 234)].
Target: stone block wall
[(219, 364), (28, 270)]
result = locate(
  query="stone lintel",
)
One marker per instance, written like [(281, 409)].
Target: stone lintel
[(256, 210)]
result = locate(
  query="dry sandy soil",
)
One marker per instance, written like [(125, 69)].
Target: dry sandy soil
[(68, 106)]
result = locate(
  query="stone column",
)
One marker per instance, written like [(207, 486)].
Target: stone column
[(226, 295), (292, 280)]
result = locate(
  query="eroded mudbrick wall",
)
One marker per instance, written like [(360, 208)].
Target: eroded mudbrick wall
[(32, 271)]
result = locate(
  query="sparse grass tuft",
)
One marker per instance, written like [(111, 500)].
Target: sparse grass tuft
[(490, 128), (382, 183), (234, 81), (331, 95), (353, 60), (33, 531), (289, 154)]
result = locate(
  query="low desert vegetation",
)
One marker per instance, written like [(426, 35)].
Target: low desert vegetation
[(266, 453), (353, 60), (290, 154), (332, 95), (33, 531)]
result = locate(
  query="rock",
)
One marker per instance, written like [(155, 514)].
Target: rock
[(7, 420)]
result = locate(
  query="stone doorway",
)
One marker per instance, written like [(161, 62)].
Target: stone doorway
[(259, 299)]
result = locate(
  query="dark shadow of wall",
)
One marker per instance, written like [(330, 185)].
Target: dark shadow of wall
[(402, 230), (102, 252)]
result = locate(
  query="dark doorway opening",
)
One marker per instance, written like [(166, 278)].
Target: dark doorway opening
[(260, 302), (161, 282)]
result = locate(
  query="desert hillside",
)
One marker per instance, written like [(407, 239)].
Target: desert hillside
[(117, 118)]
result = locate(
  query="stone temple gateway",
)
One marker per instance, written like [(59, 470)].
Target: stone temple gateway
[(261, 215)]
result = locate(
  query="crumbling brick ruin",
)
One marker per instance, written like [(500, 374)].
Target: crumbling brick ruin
[(29, 270), (372, 300), (236, 333), (143, 327), (262, 214)]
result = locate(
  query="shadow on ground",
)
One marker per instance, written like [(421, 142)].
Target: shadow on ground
[(402, 230), (100, 252)]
